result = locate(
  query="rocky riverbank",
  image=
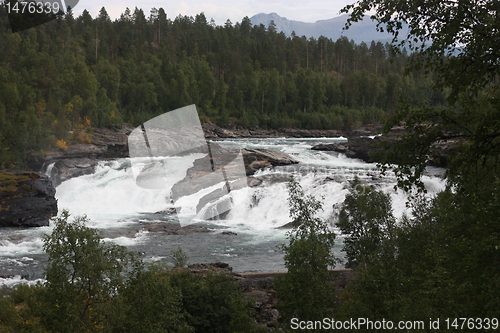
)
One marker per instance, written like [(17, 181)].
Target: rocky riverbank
[(373, 148), (26, 199), (81, 159), (260, 288)]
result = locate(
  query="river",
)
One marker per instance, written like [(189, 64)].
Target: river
[(117, 207)]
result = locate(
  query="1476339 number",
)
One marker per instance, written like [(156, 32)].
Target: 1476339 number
[(471, 323), (32, 7)]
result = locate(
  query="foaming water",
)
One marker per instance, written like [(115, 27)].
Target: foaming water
[(120, 209)]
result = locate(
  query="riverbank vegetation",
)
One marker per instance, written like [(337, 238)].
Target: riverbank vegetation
[(60, 79), (443, 260), (93, 286)]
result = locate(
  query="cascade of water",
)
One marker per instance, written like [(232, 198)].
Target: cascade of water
[(115, 204)]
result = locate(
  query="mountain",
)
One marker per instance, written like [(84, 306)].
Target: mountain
[(364, 31)]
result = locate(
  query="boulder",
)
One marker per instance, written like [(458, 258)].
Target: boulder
[(256, 159), (174, 228), (26, 199), (262, 292), (215, 267), (201, 175)]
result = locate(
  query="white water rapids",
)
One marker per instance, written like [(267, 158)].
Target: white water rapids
[(117, 206)]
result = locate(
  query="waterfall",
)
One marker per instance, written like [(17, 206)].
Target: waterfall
[(119, 208)]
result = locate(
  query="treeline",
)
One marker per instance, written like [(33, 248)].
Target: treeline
[(73, 73)]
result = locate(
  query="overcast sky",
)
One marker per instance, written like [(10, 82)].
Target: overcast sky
[(221, 10)]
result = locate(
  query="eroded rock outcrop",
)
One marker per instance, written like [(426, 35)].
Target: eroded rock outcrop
[(213, 131), (26, 199), (81, 159)]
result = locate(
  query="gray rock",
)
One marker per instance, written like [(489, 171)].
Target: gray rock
[(288, 225), (256, 159), (174, 229), (26, 199), (81, 159)]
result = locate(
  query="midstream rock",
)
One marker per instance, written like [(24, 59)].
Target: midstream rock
[(201, 175), (256, 159), (173, 228), (374, 149), (26, 199)]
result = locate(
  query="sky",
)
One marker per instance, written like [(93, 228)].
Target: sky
[(221, 10)]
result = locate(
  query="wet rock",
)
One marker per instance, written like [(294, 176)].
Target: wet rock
[(174, 229), (253, 182), (229, 233), (215, 267), (218, 166), (26, 199), (256, 159), (169, 211), (364, 145), (65, 169), (288, 225)]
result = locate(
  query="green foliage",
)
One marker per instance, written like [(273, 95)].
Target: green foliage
[(82, 276), (86, 291), (8, 313), (464, 32), (306, 291), (179, 258), (138, 68), (365, 220), (442, 261), (214, 303), (150, 303), (458, 54)]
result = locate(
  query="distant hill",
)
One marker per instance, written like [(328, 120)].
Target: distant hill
[(362, 31)]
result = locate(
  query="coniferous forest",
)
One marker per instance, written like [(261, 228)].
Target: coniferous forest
[(74, 73)]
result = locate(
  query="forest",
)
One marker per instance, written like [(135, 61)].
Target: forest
[(72, 74)]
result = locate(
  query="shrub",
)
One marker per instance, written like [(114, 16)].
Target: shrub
[(214, 302), (61, 144), (366, 220), (306, 291), (149, 303), (82, 276), (179, 258)]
